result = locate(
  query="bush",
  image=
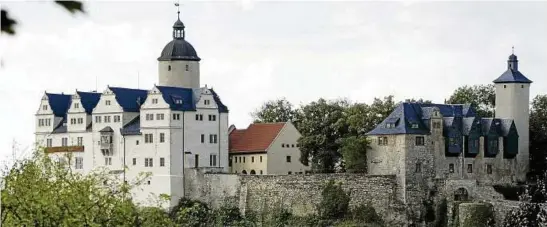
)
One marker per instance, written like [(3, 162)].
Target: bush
[(280, 217), (366, 213), (307, 221), (191, 213), (335, 202), (227, 216)]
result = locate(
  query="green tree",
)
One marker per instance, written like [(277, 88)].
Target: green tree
[(154, 216), (322, 126), (334, 202), (280, 110), (481, 97), (538, 135), (191, 213), (354, 150), (412, 100), (8, 23), (41, 191)]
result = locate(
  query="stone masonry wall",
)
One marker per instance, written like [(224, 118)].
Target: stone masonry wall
[(298, 193)]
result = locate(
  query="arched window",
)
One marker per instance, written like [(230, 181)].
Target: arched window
[(253, 172), (244, 172)]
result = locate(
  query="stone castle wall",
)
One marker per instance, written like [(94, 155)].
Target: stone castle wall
[(299, 193)]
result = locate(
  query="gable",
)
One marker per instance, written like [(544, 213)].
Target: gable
[(256, 138)]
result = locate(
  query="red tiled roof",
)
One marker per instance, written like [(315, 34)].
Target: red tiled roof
[(256, 138)]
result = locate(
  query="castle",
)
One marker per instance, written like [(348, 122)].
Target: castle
[(173, 125), (422, 143)]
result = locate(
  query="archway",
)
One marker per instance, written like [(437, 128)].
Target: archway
[(461, 194), (244, 172), (253, 172)]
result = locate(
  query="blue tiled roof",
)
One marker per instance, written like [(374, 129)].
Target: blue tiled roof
[(132, 127), (130, 99), (61, 127), (171, 94), (512, 76), (89, 100), (59, 103), (221, 107), (457, 120)]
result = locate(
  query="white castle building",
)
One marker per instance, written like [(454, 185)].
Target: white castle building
[(173, 125)]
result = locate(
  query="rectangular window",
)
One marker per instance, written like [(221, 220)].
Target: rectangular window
[(162, 137), (253, 159), (419, 140), (196, 160), (137, 142), (202, 138), (80, 141), (148, 162), (79, 163), (235, 159), (382, 141), (107, 102), (44, 107), (243, 159), (148, 138), (488, 169), (261, 158), (289, 172), (49, 143), (230, 162), (98, 119), (451, 168), (80, 120), (414, 125), (162, 161), (187, 68), (418, 167), (213, 138), (176, 117), (288, 158), (213, 160), (159, 117), (436, 124), (64, 142), (134, 161), (199, 117), (117, 118), (108, 161), (107, 119), (154, 101), (76, 105), (212, 117), (469, 168), (206, 102)]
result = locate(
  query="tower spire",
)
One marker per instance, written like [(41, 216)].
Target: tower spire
[(178, 27), (512, 62)]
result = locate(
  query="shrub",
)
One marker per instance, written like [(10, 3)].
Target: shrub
[(280, 217), (227, 216), (335, 202), (366, 213), (191, 213)]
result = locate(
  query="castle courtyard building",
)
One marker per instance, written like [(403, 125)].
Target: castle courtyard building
[(266, 148)]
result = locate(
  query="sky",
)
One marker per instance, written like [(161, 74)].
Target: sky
[(254, 51)]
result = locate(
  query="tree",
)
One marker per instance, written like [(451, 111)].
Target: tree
[(531, 212), (412, 100), (280, 110), (354, 150), (335, 202), (538, 135), (44, 192), (8, 23), (322, 126), (481, 97)]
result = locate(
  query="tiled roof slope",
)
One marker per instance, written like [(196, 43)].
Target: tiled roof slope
[(256, 138), (89, 100), (221, 107), (129, 99), (457, 120), (132, 127), (171, 94), (59, 103), (512, 76)]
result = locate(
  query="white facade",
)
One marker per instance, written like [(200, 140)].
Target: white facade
[(131, 131)]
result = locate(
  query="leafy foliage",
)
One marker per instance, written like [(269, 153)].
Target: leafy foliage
[(481, 97), (43, 192), (366, 213), (280, 110), (334, 203), (8, 23), (538, 135), (354, 150), (530, 212), (191, 213)]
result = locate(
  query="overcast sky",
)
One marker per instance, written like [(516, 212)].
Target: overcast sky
[(255, 51)]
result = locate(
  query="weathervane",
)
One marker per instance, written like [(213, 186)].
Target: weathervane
[(513, 50), (178, 9)]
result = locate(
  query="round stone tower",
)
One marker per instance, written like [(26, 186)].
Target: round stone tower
[(178, 65)]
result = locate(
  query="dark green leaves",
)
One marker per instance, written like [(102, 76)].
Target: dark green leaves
[(71, 6), (7, 23)]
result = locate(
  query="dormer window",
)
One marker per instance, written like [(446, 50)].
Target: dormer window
[(436, 124), (178, 101), (414, 125), (436, 113)]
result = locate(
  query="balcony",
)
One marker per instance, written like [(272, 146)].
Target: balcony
[(64, 149)]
